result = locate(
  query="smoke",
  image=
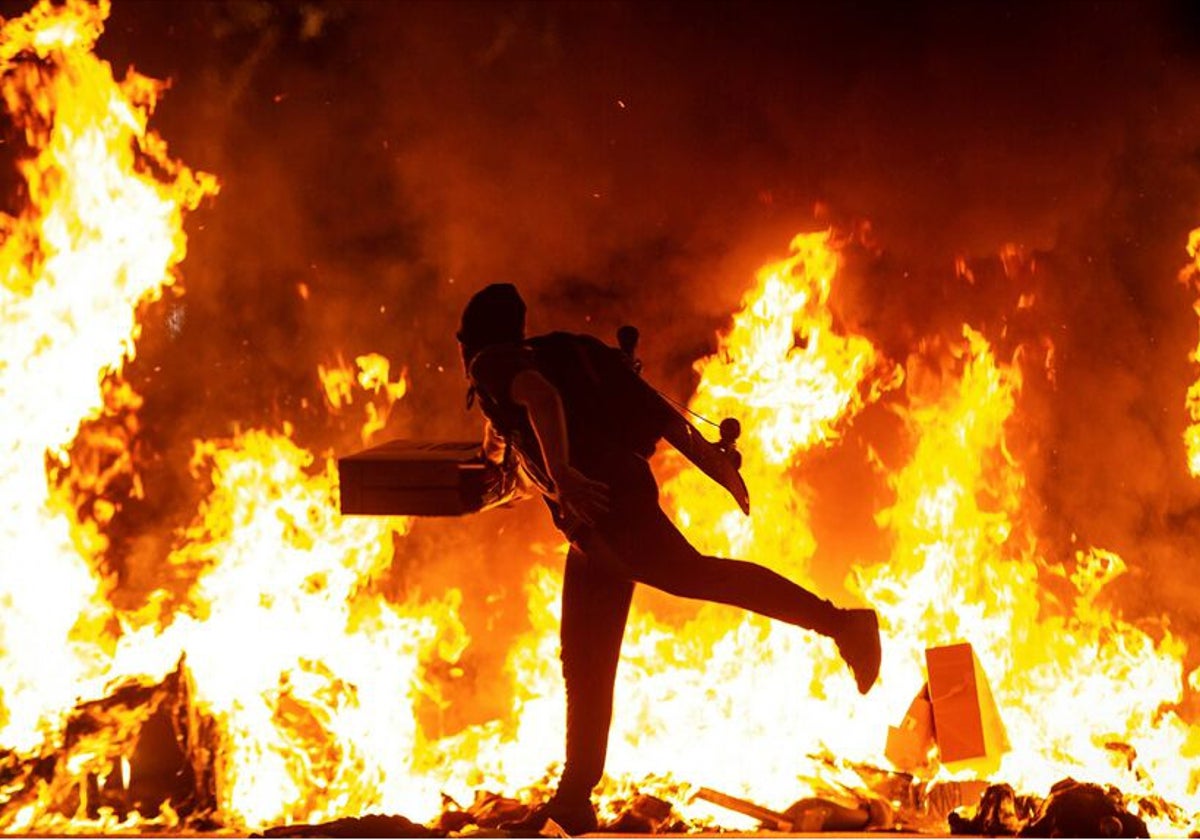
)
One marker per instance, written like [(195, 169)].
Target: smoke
[(634, 163)]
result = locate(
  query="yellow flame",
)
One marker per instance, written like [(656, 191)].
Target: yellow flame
[(98, 237), (373, 373), (339, 381), (1191, 436), (783, 368), (310, 672), (1069, 680), (793, 380)]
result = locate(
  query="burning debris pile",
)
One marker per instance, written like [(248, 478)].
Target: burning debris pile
[(275, 676), (144, 749)]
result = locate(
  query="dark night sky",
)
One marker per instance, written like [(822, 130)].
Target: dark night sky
[(635, 162)]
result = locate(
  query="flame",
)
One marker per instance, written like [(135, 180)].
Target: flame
[(303, 663), (269, 560), (754, 708), (309, 668), (1070, 679), (371, 373), (1191, 436), (98, 238), (793, 381)]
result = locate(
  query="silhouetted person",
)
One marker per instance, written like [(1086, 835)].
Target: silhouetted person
[(568, 411)]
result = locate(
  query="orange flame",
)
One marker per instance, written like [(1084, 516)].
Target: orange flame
[(1070, 680), (1191, 436), (793, 381), (98, 238)]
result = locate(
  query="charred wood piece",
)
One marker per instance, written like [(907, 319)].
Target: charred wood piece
[(810, 814), (773, 820)]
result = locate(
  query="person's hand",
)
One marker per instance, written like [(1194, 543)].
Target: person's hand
[(710, 458), (718, 466), (731, 479), (579, 496)]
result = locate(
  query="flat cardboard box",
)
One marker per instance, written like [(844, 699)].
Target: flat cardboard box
[(908, 744), (415, 478)]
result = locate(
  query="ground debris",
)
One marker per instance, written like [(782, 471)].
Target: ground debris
[(646, 814), (481, 819), (372, 825), (811, 814), (1073, 809), (1000, 813), (489, 810)]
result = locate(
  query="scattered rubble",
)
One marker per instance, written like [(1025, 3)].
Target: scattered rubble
[(372, 825), (143, 749), (999, 814), (1073, 809), (646, 814), (811, 814), (146, 750)]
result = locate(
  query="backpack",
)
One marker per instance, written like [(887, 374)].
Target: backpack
[(607, 404)]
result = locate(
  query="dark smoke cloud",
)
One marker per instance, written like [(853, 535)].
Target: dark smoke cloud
[(628, 162)]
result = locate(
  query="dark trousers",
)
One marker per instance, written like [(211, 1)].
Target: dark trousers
[(638, 543)]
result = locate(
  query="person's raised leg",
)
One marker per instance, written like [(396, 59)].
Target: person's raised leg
[(654, 552)]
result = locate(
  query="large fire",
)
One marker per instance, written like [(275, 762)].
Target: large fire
[(98, 236), (304, 670)]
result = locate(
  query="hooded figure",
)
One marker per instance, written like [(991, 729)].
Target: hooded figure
[(581, 425), (494, 316)]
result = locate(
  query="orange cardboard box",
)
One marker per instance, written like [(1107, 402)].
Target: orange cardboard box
[(966, 722), (909, 743)]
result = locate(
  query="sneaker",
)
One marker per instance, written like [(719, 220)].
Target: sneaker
[(858, 643), (555, 818)]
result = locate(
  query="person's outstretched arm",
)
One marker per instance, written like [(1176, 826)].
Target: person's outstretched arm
[(579, 495)]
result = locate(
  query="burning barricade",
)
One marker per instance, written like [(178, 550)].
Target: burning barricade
[(273, 677)]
